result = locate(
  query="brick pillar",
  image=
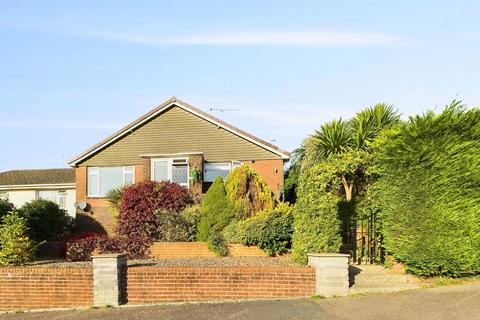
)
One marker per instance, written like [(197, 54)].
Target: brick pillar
[(109, 279), (331, 271)]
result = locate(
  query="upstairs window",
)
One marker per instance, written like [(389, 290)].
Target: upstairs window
[(101, 180)]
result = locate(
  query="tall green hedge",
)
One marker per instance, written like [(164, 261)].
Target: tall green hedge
[(317, 227), (429, 192), (216, 212)]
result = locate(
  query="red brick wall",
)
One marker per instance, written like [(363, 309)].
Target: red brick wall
[(168, 250), (155, 284), (43, 288), (271, 171)]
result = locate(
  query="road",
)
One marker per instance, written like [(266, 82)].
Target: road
[(452, 302)]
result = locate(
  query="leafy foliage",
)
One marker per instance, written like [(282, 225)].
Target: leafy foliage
[(270, 230), (248, 192), (216, 212), (46, 221), (81, 249), (6, 207), (429, 192), (15, 246), (317, 226), (114, 198), (217, 243), (139, 203), (172, 226)]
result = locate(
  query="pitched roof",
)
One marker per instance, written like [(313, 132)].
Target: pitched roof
[(179, 103), (37, 177)]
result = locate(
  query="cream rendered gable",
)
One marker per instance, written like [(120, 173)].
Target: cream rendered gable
[(178, 131)]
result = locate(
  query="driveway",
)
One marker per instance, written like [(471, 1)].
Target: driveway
[(454, 302)]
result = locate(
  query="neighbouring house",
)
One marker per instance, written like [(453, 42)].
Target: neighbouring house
[(57, 185), (175, 142)]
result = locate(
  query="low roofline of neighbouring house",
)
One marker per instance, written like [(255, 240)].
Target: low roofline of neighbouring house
[(185, 106), (37, 186)]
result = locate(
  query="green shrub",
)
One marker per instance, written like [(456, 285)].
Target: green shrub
[(5, 208), (15, 246), (270, 230), (248, 192), (230, 233), (191, 215), (429, 192), (172, 226), (217, 243), (317, 227), (216, 212), (46, 221)]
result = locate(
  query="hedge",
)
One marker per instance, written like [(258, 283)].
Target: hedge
[(429, 192)]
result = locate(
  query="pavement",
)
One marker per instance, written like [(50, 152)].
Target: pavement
[(451, 302)]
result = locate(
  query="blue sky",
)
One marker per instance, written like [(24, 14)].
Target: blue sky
[(74, 71)]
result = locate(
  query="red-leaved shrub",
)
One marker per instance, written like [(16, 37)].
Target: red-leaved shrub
[(82, 249), (61, 250), (139, 202)]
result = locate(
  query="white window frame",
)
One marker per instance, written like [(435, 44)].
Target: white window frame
[(97, 173), (231, 165), (170, 169), (58, 194)]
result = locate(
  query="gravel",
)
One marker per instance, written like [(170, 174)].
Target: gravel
[(283, 261)]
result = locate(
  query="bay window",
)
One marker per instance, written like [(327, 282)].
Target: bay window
[(101, 180)]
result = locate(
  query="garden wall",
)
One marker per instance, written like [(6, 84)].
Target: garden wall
[(43, 288), (154, 284), (168, 250)]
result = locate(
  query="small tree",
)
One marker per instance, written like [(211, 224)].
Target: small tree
[(15, 246), (248, 192), (216, 211)]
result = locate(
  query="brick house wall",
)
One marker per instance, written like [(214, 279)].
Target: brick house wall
[(43, 288), (171, 284)]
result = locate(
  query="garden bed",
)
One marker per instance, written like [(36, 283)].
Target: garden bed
[(282, 261)]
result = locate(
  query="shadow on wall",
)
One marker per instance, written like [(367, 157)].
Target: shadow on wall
[(84, 222)]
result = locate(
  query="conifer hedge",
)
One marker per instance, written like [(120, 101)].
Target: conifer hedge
[(429, 192)]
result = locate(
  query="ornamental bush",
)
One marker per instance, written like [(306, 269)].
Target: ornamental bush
[(139, 203), (46, 221), (81, 249), (428, 192), (6, 207), (317, 227), (248, 192), (216, 212), (270, 230), (15, 246), (217, 243), (172, 226)]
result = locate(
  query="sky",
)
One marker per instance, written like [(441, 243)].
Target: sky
[(72, 72)]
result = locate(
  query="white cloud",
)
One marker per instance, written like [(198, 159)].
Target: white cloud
[(306, 38)]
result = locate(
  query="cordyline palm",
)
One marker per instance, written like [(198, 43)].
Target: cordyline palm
[(339, 137)]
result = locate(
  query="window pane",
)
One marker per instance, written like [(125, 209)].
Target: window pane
[(3, 195), (129, 176), (180, 174), (92, 181), (160, 170), (213, 170), (48, 195), (110, 178), (62, 201)]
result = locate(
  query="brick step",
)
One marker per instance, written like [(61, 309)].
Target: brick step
[(382, 288)]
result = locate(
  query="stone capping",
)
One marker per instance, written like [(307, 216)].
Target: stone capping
[(331, 271), (109, 279)]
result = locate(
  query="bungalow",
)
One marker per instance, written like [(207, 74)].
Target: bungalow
[(22, 186), (175, 142)]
